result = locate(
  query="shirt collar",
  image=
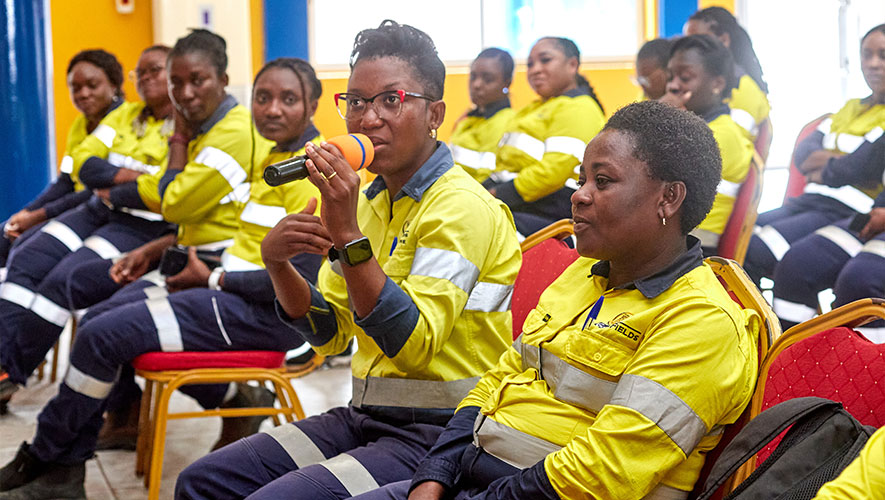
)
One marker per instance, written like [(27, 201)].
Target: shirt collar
[(491, 109), (310, 133), (226, 105), (716, 112), (656, 284), (438, 164), (577, 91)]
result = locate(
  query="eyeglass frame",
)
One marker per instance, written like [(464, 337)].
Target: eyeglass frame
[(371, 100), (151, 72)]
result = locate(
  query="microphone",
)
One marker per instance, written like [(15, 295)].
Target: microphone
[(356, 148)]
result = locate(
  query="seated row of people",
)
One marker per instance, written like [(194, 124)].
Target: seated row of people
[(423, 278)]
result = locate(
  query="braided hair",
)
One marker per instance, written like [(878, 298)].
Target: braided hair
[(106, 62), (722, 21), (408, 44), (570, 49), (716, 58)]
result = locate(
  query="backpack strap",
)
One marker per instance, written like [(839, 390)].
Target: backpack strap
[(759, 432)]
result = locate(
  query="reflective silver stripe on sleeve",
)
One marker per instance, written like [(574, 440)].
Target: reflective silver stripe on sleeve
[(16, 294), (295, 442), (728, 188), (567, 145), (664, 492), (446, 265), (663, 407), (262, 215), (87, 384), (744, 119), (848, 195), (568, 383), (131, 163), (708, 239), (353, 475), (842, 238), (105, 134), (141, 214), (414, 393), (503, 176), (224, 163), (474, 159), (67, 165), (63, 234), (50, 311), (525, 143), (515, 447), (824, 126), (168, 331), (155, 292), (792, 311), (874, 135), (774, 240), (829, 141), (215, 245), (230, 262), (104, 248), (875, 247), (489, 297), (848, 143), (239, 194)]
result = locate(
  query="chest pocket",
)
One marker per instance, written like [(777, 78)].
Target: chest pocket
[(594, 349)]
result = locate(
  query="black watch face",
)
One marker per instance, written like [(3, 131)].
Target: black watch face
[(360, 251)]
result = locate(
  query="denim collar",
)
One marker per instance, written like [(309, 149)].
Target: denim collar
[(716, 112), (491, 109), (656, 284), (438, 164), (577, 91), (310, 133), (226, 105)]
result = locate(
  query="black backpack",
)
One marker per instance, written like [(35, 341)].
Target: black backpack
[(823, 440)]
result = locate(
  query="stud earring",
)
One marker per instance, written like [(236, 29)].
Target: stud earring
[(432, 133), (664, 221)]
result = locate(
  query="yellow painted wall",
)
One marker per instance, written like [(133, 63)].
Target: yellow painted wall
[(89, 25), (612, 85)]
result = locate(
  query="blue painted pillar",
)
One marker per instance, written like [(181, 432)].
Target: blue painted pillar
[(672, 14), (25, 126), (285, 29)]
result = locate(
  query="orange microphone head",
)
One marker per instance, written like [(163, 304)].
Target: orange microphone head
[(356, 148)]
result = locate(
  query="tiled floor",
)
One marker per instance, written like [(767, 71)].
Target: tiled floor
[(110, 475)]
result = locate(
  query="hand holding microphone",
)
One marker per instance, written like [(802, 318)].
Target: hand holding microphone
[(357, 150)]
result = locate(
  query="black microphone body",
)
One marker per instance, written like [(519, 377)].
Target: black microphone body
[(285, 171)]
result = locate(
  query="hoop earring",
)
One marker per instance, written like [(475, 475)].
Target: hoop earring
[(432, 133)]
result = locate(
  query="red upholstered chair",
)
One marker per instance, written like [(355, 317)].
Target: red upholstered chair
[(763, 139), (824, 357), (735, 237), (796, 181), (544, 257), (164, 372), (742, 290)]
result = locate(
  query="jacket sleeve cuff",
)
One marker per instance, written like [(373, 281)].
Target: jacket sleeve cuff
[(318, 326), (168, 176), (97, 173), (62, 186), (392, 321), (443, 462), (65, 203), (126, 195), (507, 193), (435, 469), (527, 483), (810, 144)]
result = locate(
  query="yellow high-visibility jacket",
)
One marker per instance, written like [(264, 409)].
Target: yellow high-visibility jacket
[(619, 392), (443, 318), (475, 139), (749, 106), (205, 199)]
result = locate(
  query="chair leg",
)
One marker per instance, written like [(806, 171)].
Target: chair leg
[(40, 373), (159, 442), (144, 426), (53, 372), (158, 390)]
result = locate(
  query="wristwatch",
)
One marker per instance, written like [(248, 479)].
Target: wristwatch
[(353, 253)]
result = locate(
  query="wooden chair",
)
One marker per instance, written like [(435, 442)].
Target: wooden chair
[(824, 357), (544, 257), (742, 290), (736, 236), (164, 372)]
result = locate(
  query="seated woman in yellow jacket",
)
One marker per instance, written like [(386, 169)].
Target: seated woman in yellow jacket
[(539, 155), (630, 365), (701, 78), (864, 478), (749, 100), (476, 136)]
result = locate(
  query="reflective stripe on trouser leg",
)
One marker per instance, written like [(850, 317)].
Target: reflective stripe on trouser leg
[(295, 442), (168, 330), (352, 474), (863, 277)]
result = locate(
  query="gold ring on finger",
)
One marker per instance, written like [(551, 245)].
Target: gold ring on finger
[(329, 177)]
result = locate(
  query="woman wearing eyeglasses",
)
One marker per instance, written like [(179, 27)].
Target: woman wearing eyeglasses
[(540, 153), (424, 262)]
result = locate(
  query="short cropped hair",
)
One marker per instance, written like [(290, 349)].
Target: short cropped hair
[(200, 40), (106, 62), (407, 43), (504, 59), (657, 49), (676, 145)]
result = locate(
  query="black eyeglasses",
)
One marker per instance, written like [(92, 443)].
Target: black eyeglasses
[(387, 104)]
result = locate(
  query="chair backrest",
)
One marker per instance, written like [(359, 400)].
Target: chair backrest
[(796, 180), (544, 257), (824, 357), (742, 290), (736, 236), (763, 139)]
